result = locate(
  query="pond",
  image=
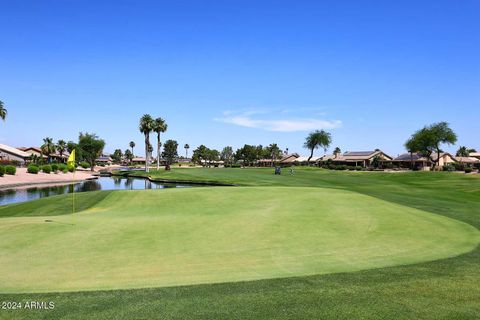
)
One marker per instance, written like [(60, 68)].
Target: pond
[(28, 193)]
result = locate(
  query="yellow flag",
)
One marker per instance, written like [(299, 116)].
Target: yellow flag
[(71, 158)]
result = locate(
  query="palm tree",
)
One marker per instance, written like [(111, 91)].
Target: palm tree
[(186, 147), (317, 139), (132, 145), (48, 147), (463, 152), (145, 127), (61, 147), (412, 146), (3, 111), (159, 126), (337, 151)]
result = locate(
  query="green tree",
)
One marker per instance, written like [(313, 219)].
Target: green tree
[(463, 152), (48, 147), (91, 147), (146, 126), (61, 147), (117, 156), (74, 146), (71, 146), (159, 126), (337, 150), (273, 152), (227, 154), (248, 154), (132, 145), (412, 146), (170, 151), (200, 155), (212, 155), (317, 139), (430, 138), (128, 155), (186, 147), (3, 111)]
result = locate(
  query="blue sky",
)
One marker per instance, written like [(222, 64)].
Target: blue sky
[(235, 72)]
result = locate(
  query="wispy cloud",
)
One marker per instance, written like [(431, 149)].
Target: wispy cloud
[(246, 119)]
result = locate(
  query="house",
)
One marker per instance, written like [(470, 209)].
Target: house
[(357, 158), (36, 151), (103, 160), (475, 155), (419, 162), (33, 151), (8, 153), (412, 161), (445, 158), (304, 160), (289, 159), (471, 161), (138, 160)]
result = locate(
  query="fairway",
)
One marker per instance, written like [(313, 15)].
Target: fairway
[(135, 239)]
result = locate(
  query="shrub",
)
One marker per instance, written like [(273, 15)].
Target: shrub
[(84, 164), (448, 167), (47, 168), (33, 169), (71, 168), (11, 170), (2, 171), (358, 168), (235, 165), (332, 166), (54, 167), (388, 165), (468, 170), (351, 167), (62, 167)]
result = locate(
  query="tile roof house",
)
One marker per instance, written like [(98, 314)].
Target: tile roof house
[(357, 158), (38, 152), (467, 160), (13, 154), (474, 155), (413, 160), (289, 158), (418, 161)]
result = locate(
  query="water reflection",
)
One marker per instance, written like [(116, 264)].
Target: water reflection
[(22, 194)]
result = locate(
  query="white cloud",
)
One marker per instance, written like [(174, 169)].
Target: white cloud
[(279, 125)]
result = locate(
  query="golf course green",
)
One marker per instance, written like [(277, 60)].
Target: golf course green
[(134, 239)]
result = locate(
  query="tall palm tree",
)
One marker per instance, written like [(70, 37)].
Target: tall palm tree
[(132, 145), (48, 147), (145, 127), (3, 111), (317, 139), (159, 126), (337, 151), (463, 152), (61, 147), (186, 147)]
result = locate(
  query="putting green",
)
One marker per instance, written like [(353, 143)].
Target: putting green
[(132, 239)]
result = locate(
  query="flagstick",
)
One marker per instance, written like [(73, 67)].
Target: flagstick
[(73, 198)]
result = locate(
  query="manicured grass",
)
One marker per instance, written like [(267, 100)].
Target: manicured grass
[(146, 239), (442, 289)]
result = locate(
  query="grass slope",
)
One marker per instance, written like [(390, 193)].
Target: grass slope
[(442, 289), (205, 235)]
